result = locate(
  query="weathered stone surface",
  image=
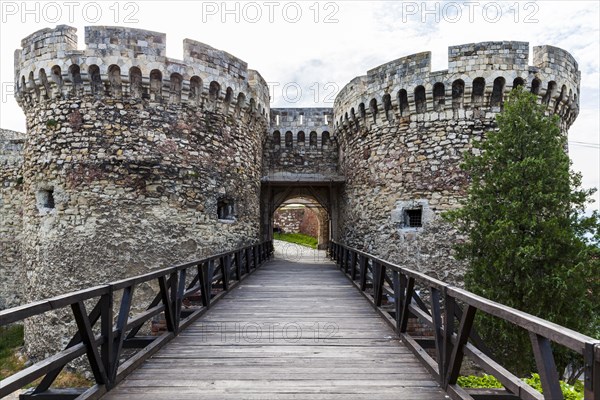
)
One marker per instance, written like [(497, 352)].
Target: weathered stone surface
[(402, 131), (11, 215), (300, 145), (122, 176), (303, 220)]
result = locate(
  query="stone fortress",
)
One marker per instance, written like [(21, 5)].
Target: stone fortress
[(133, 160)]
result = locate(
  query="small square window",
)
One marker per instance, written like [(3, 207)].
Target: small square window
[(45, 200), (226, 209), (413, 218)]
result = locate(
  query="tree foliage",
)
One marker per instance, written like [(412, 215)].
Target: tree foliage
[(529, 244)]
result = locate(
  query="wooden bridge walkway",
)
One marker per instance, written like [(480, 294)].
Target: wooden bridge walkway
[(291, 329), (295, 329)]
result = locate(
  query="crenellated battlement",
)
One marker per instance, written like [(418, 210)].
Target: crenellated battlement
[(132, 63), (292, 127), (478, 78), (299, 146)]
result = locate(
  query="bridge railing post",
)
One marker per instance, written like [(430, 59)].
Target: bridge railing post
[(248, 264), (346, 259), (164, 294), (591, 381), (378, 281), (449, 315), (210, 272), (179, 297), (84, 328), (113, 350), (225, 268), (173, 300), (407, 290), (363, 272), (238, 265), (457, 354), (203, 281), (106, 330), (544, 360), (353, 266), (259, 254), (436, 315)]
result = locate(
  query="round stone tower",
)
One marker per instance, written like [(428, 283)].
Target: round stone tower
[(402, 131), (132, 160)]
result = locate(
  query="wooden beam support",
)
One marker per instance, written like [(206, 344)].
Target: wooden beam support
[(436, 313), (53, 394), (544, 360), (466, 324), (591, 381), (405, 307), (164, 292), (363, 272), (87, 337), (378, 280)]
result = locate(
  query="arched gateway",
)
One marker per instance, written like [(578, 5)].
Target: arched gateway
[(296, 168)]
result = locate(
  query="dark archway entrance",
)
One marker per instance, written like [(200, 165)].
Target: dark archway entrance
[(322, 197), (303, 215)]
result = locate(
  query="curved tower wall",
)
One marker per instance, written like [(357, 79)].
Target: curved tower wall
[(132, 160), (402, 131), (11, 224)]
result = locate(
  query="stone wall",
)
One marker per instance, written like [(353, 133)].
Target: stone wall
[(309, 225), (287, 220), (403, 130), (11, 217), (132, 161), (300, 145), (297, 220)]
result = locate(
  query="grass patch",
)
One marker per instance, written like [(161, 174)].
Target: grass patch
[(11, 339), (297, 238)]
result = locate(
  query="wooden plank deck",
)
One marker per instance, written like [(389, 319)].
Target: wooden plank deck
[(293, 330)]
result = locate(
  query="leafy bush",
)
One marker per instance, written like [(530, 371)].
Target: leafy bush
[(298, 238), (570, 392), (479, 382)]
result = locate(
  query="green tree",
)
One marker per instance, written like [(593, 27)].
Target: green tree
[(528, 243)]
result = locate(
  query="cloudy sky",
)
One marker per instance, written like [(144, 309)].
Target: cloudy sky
[(319, 46)]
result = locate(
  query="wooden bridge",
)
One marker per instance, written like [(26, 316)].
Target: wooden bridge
[(295, 328)]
